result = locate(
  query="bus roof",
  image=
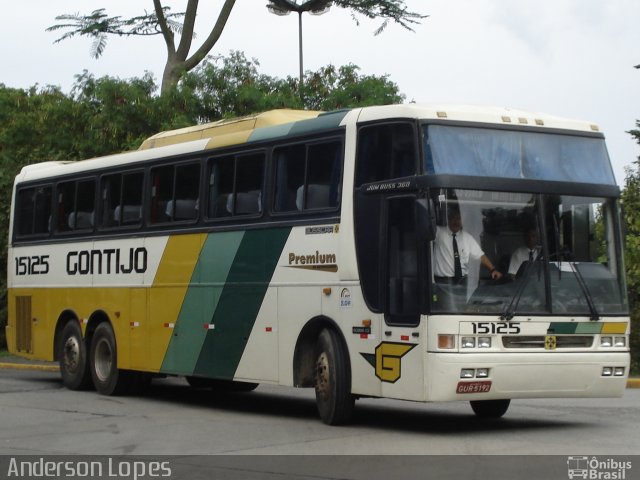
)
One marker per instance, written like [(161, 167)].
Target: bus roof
[(475, 113), (281, 123), (228, 132)]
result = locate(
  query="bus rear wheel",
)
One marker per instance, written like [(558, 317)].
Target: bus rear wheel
[(107, 378), (74, 367), (332, 380), (490, 408)]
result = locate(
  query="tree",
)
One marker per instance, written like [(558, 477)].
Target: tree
[(230, 86), (98, 25), (108, 115), (631, 202)]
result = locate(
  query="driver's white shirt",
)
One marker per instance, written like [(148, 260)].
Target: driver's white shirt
[(443, 263), (519, 256)]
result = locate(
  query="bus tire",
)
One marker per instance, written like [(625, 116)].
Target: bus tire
[(103, 361), (332, 380), (490, 408), (74, 367)]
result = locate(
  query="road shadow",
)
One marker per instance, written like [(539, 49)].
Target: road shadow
[(400, 416), (452, 418)]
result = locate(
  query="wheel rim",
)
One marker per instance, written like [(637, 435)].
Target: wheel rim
[(103, 360), (323, 383), (71, 356)]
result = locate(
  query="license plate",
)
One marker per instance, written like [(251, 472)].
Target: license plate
[(474, 387)]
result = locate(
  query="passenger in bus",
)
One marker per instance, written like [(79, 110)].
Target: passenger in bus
[(452, 250), (526, 253)]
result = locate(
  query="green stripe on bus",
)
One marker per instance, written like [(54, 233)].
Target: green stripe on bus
[(565, 328), (591, 328), (201, 300), (240, 301), (569, 328)]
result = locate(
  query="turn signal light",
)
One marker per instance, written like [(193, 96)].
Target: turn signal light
[(447, 341)]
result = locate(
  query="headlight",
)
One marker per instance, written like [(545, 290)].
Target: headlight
[(467, 373), (468, 342), (484, 342), (620, 341), (606, 341)]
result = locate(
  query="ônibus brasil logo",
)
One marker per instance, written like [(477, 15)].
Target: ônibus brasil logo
[(593, 468)]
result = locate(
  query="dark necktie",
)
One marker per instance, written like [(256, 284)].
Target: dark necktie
[(457, 266), (531, 255)]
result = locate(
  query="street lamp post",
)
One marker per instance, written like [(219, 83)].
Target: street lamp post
[(285, 7)]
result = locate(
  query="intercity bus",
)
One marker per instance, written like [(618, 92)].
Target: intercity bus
[(296, 248)]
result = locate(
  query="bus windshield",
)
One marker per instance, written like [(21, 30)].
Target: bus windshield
[(484, 152), (558, 254)]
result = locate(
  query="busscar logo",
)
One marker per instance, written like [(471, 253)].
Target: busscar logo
[(595, 468), (387, 360)]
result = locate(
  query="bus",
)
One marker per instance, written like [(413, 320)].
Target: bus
[(300, 248)]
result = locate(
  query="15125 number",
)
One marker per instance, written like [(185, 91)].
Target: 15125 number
[(504, 328), (33, 265)]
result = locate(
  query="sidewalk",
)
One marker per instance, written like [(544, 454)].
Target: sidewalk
[(15, 362)]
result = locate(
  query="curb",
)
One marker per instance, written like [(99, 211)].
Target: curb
[(633, 383), (30, 366)]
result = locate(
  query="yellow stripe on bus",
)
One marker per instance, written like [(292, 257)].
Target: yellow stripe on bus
[(164, 300), (614, 327)]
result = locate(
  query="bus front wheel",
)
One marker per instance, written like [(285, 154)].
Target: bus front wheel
[(74, 367), (490, 408), (332, 380), (107, 378)]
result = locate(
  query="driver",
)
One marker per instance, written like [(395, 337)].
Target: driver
[(528, 252), (453, 247)]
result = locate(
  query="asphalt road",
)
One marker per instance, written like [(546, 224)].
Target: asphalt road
[(38, 416)]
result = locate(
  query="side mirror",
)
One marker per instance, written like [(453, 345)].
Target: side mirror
[(425, 219)]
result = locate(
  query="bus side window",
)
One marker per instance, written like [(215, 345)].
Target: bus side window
[(308, 177), (33, 211), (121, 197), (76, 205), (235, 185), (185, 204), (220, 186), (175, 190), (386, 151), (323, 175), (248, 185), (290, 171)]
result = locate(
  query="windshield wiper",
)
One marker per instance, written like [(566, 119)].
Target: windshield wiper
[(585, 291), (510, 311)]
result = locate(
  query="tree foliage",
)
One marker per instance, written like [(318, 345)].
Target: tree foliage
[(631, 203), (181, 57), (106, 115), (232, 86)]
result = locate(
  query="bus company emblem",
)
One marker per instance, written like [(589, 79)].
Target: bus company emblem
[(325, 262), (387, 360), (550, 342)]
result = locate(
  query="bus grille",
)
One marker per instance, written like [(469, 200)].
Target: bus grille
[(23, 324), (562, 341)]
